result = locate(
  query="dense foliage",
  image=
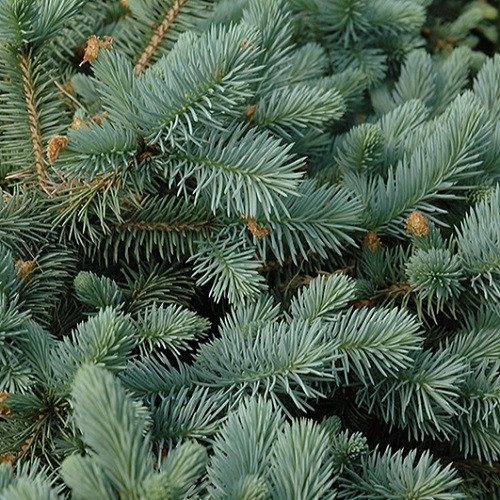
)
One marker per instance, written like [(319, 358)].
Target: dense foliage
[(249, 249)]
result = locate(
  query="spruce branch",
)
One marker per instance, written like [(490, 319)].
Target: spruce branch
[(423, 397), (323, 298), (117, 440), (106, 339), (320, 218), (36, 139), (168, 223), (249, 316), (23, 224), (478, 243), (244, 170), (172, 328), (282, 166), (231, 267), (183, 414), (446, 159), (240, 468), (277, 360), (301, 466), (158, 36), (151, 28), (375, 343), (389, 475), (297, 108)]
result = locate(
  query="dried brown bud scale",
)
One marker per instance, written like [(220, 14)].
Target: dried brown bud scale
[(417, 224)]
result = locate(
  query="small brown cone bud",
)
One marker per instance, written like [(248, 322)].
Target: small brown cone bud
[(91, 50), (94, 44), (124, 3), (372, 241), (8, 458), (99, 118), (250, 112), (25, 268), (55, 145), (26, 444), (399, 289), (77, 123), (245, 43), (258, 231), (144, 156), (417, 224), (4, 410)]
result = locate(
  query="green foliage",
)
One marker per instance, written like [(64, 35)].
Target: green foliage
[(322, 298), (105, 339), (232, 266), (472, 24), (228, 170), (179, 472), (29, 482), (22, 224), (137, 31), (245, 246), (242, 450), (301, 463), (318, 219), (97, 291), (376, 341), (279, 358), (436, 276), (169, 328), (118, 446), (348, 448), (389, 475), (478, 242)]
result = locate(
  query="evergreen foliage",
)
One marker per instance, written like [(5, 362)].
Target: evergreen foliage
[(249, 249)]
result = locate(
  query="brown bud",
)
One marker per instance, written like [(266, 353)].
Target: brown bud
[(372, 241), (26, 444), (364, 303), (444, 44), (8, 458), (144, 156), (250, 112), (77, 123), (25, 268), (4, 410), (399, 289), (258, 231), (94, 44), (55, 145), (124, 3), (99, 118), (91, 50), (417, 224), (246, 43)]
